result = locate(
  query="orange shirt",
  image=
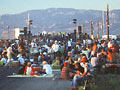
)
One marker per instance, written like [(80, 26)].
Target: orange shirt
[(110, 56), (94, 48), (84, 59)]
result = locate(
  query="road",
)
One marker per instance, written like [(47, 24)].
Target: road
[(32, 83)]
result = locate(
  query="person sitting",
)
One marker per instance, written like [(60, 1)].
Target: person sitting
[(28, 69), (87, 74), (21, 59), (78, 68), (79, 71), (22, 69), (65, 74), (4, 59), (56, 63), (46, 68)]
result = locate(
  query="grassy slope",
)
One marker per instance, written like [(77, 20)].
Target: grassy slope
[(107, 82)]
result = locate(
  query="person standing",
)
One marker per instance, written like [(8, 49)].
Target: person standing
[(55, 48), (9, 56)]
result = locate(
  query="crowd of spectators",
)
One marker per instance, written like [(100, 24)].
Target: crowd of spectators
[(65, 52)]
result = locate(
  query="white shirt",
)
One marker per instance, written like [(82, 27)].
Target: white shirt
[(33, 45), (47, 69), (87, 68), (69, 44), (9, 50), (29, 71), (94, 61), (109, 44), (55, 47)]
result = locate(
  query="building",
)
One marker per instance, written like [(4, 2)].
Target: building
[(17, 32), (22, 33)]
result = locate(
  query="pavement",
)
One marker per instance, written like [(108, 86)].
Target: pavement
[(30, 83)]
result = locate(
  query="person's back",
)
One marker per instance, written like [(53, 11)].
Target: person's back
[(65, 73), (47, 68), (21, 60), (110, 56)]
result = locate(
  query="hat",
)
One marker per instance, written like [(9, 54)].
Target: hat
[(44, 53), (44, 62)]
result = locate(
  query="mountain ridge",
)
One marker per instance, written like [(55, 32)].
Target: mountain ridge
[(60, 20)]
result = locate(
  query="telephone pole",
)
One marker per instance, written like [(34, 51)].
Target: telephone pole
[(91, 23), (29, 26), (107, 22), (76, 32), (102, 23), (98, 29)]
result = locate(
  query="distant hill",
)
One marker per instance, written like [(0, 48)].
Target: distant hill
[(59, 20)]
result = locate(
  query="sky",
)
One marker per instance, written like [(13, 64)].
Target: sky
[(18, 6)]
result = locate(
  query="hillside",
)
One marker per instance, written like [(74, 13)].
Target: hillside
[(59, 20)]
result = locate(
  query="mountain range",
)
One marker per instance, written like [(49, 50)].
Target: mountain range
[(59, 20)]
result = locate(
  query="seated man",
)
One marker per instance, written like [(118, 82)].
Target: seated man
[(65, 74), (56, 62), (46, 68)]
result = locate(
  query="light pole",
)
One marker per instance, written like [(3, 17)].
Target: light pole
[(75, 22)]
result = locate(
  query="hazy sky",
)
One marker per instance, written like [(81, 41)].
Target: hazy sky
[(18, 6)]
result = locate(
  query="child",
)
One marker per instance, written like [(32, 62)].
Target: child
[(28, 69)]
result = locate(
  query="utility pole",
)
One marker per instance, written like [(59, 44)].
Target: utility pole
[(76, 32), (102, 23), (98, 29), (91, 23), (29, 26), (107, 22), (28, 22)]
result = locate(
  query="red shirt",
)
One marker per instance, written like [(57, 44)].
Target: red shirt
[(26, 69), (65, 73)]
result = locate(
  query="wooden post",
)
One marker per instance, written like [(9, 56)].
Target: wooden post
[(98, 29), (107, 22), (92, 29)]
